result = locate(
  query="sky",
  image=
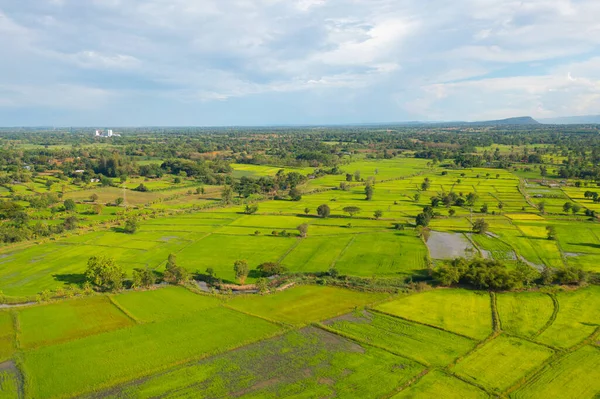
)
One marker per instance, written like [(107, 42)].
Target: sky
[(108, 63)]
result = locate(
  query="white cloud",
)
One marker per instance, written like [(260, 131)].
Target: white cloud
[(437, 59)]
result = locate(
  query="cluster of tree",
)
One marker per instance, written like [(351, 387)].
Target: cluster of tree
[(495, 275)]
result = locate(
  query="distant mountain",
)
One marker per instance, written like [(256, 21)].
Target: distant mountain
[(521, 120), (573, 120)]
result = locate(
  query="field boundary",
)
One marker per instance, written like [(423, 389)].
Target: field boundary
[(496, 322), (343, 251), (553, 316), (123, 310)]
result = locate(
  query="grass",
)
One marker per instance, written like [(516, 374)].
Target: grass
[(104, 360), (460, 311), (524, 313), (502, 362), (7, 335), (164, 303), (304, 304), (68, 320), (9, 384), (425, 344), (577, 318), (574, 376), (315, 254), (306, 363), (383, 254), (442, 386)]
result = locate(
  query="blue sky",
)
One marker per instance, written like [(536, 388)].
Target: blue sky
[(255, 62)]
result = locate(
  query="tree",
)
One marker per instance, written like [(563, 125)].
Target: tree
[(94, 197), (271, 269), (425, 185), (368, 192), (71, 223), (303, 229), (542, 207), (175, 274), (484, 208), (104, 273), (575, 208), (97, 209), (378, 213), (262, 285), (567, 207), (240, 267), (143, 278), (306, 211), (69, 205), (500, 206), (227, 194), (251, 209), (323, 210), (131, 225), (141, 188), (119, 201), (422, 219), (526, 273), (352, 210), (357, 175), (551, 232), (416, 197), (295, 194), (348, 177), (451, 212), (471, 199), (480, 226)]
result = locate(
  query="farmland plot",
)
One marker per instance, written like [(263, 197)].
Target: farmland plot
[(305, 363), (7, 335), (425, 344), (460, 311), (524, 313), (574, 376), (501, 362), (104, 360), (437, 384)]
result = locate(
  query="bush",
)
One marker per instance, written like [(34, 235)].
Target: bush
[(268, 269)]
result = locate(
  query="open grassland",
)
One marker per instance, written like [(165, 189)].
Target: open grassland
[(164, 303), (502, 362), (577, 318), (304, 304), (460, 311), (68, 320), (437, 384), (306, 363), (425, 344), (107, 359), (525, 313), (7, 335), (574, 376)]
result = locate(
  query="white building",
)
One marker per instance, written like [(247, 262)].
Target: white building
[(107, 133)]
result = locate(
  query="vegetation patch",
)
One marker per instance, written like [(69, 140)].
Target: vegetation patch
[(460, 311), (574, 376), (304, 304), (307, 363), (502, 362), (68, 320), (104, 360), (524, 313), (437, 384), (164, 303), (425, 344), (578, 317), (7, 335)]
